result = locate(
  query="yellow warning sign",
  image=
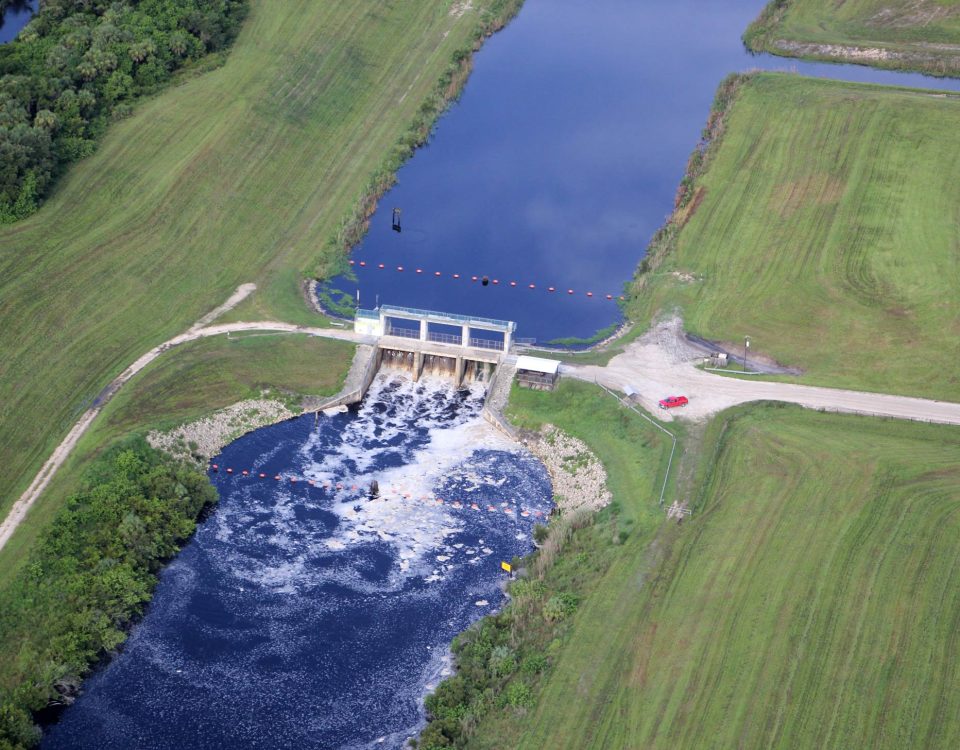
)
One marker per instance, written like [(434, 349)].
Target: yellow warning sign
[(506, 566)]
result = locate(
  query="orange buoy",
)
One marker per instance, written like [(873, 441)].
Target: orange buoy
[(622, 297), (551, 289), (589, 294), (569, 291), (436, 273), (456, 276), (277, 477), (533, 286), (513, 283), (473, 278), (490, 509), (363, 262), (419, 270), (293, 480), (245, 473), (352, 262), (399, 268), (229, 471), (216, 468), (474, 506), (380, 265), (496, 281), (262, 475)]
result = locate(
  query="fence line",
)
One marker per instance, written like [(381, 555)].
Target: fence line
[(673, 437)]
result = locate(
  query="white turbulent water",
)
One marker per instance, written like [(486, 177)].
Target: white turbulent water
[(338, 608)]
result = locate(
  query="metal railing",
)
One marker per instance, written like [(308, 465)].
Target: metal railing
[(505, 325), (445, 338), (406, 333), (634, 409), (369, 314), (486, 344)]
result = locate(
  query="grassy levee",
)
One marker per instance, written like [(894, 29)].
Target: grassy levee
[(825, 227), (812, 600), (899, 34), (182, 385), (240, 174)]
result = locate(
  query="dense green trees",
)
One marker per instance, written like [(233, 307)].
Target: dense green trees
[(90, 574), (77, 63)]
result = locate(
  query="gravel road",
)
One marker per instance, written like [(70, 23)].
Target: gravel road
[(663, 364)]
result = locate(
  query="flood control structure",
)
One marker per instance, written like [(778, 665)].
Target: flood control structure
[(439, 340)]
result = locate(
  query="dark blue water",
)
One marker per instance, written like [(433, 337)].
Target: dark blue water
[(15, 17), (562, 159), (304, 617)]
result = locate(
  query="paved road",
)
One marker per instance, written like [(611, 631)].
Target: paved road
[(661, 364)]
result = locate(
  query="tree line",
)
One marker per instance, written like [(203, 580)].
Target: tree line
[(90, 574), (77, 64)]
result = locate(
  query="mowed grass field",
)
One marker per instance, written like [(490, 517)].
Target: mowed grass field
[(813, 600), (827, 228), (240, 174), (926, 33), (184, 384)]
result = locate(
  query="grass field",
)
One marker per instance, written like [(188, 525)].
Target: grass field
[(812, 601), (910, 34), (186, 384), (827, 229), (240, 174)]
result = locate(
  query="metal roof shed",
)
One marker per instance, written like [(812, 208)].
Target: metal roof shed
[(536, 372)]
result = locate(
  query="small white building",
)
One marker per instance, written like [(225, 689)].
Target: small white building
[(537, 373)]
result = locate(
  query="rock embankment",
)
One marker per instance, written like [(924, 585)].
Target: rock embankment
[(579, 479), (206, 437)]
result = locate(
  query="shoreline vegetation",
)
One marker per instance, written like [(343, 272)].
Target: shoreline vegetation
[(208, 372), (895, 34), (90, 576), (76, 66), (605, 494)]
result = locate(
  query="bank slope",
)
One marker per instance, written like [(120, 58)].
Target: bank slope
[(238, 175), (811, 601), (826, 227), (921, 35)]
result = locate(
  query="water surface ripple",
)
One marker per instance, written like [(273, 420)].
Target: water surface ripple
[(303, 617)]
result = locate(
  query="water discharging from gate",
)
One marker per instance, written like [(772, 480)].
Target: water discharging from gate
[(308, 617)]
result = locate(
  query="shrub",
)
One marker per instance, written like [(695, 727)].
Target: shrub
[(559, 607)]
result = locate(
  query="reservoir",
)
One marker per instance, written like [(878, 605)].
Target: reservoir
[(302, 616), (562, 159)]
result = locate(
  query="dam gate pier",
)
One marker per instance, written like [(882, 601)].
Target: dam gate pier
[(462, 345)]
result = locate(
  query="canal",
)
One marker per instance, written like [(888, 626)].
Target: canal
[(562, 159)]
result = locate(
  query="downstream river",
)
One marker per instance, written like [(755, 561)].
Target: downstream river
[(562, 159), (305, 617)]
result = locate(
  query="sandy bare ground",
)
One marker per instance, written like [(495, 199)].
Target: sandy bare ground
[(661, 363), (198, 330)]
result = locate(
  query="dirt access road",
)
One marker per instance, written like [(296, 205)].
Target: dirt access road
[(198, 330), (662, 363)]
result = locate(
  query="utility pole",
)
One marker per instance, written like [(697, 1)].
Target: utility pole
[(746, 348)]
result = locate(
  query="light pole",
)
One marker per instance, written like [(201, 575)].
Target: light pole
[(746, 347)]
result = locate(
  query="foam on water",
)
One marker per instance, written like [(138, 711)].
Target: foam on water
[(301, 616)]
